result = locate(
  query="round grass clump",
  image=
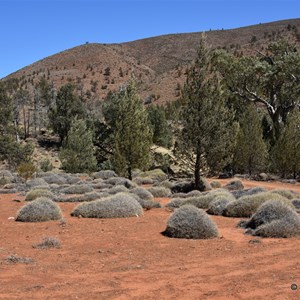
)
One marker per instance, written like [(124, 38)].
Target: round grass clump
[(159, 191), (39, 210), (285, 193), (36, 193), (52, 178), (77, 189), (234, 185), (120, 181), (215, 184), (274, 219), (246, 206), (121, 205), (142, 193), (81, 198), (104, 174), (189, 222), (248, 192), (143, 180), (37, 182), (117, 189), (218, 205)]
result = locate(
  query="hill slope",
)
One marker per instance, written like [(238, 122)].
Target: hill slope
[(158, 63)]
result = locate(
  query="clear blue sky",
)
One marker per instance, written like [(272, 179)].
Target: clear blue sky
[(32, 30)]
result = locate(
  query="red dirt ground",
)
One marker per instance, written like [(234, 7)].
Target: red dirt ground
[(130, 259)]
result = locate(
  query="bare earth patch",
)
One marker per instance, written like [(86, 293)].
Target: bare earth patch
[(130, 259)]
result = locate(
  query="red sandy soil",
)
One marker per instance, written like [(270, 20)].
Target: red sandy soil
[(130, 259)]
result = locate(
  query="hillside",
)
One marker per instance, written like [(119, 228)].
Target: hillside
[(158, 63)]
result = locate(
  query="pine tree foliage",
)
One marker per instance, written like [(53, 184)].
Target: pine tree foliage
[(67, 107), (133, 136), (207, 125), (286, 151), (77, 154), (251, 150), (162, 135)]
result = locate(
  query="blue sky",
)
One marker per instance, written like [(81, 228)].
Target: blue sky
[(32, 30)]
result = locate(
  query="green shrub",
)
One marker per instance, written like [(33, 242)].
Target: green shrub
[(245, 206), (33, 194), (190, 222), (46, 165), (159, 191), (122, 205), (26, 170), (274, 219), (48, 242), (39, 210), (77, 189)]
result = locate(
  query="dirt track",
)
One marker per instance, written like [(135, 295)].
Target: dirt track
[(129, 259)]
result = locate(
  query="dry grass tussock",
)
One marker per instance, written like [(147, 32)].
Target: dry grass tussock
[(190, 222), (121, 205)]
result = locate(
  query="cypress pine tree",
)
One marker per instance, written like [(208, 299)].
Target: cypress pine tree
[(207, 125), (251, 150), (77, 154), (133, 136), (286, 150)]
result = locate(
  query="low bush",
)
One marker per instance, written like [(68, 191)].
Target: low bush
[(117, 189), (274, 219), (104, 174), (51, 178), (77, 189), (156, 175), (122, 205), (218, 205), (48, 242), (120, 181), (159, 191), (15, 259), (36, 182), (36, 193), (248, 192), (82, 198), (142, 193), (143, 180), (215, 184), (234, 185), (285, 193), (189, 222), (245, 206), (39, 210)]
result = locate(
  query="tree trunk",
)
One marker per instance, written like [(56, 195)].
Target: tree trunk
[(198, 185), (129, 170)]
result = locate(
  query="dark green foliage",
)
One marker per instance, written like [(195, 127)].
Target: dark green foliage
[(274, 219), (122, 205), (250, 153), (77, 154), (207, 133), (46, 165), (67, 107), (162, 135), (40, 210), (286, 151), (189, 222), (269, 79), (133, 136)]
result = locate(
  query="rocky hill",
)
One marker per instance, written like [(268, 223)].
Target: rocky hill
[(158, 63)]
